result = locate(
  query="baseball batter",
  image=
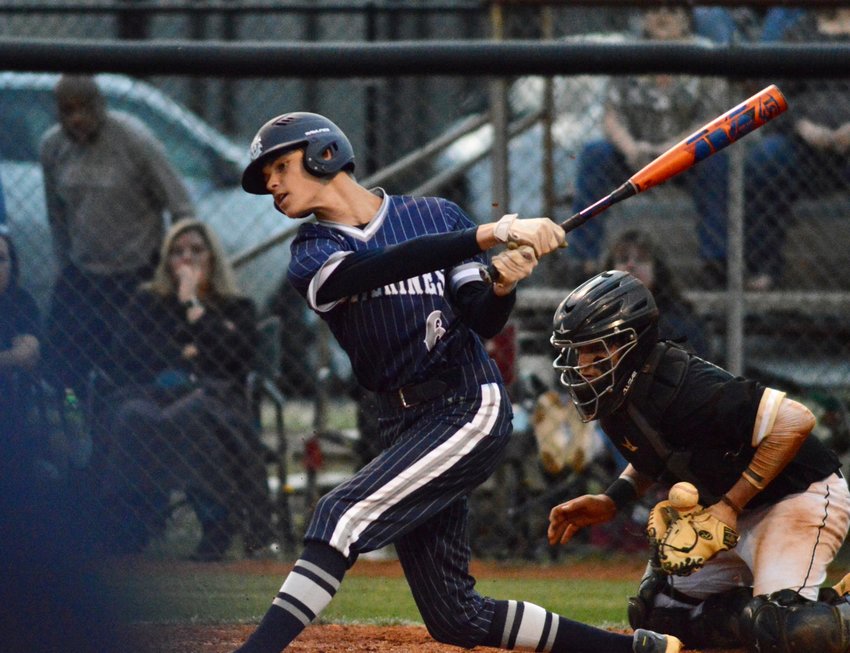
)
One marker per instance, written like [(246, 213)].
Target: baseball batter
[(776, 500), (398, 281)]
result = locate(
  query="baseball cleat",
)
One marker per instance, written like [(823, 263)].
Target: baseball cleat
[(646, 641)]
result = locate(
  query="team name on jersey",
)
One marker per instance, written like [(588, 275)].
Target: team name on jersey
[(430, 283)]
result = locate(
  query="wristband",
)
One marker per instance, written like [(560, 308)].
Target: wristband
[(735, 507), (622, 492)]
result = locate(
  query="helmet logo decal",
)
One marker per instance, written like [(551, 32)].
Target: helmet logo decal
[(629, 382), (311, 132), (256, 147)]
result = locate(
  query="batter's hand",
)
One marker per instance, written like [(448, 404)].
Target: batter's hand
[(513, 266), (567, 519), (540, 233)]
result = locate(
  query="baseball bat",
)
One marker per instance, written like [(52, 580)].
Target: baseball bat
[(712, 137)]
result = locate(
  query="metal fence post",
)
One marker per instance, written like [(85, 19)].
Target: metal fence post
[(499, 114), (548, 118), (735, 263)]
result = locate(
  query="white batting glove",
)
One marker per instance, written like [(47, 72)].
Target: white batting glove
[(513, 266), (540, 233)]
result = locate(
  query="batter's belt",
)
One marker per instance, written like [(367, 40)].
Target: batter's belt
[(418, 393)]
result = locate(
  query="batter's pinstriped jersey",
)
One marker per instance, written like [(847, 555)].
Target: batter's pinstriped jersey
[(403, 332)]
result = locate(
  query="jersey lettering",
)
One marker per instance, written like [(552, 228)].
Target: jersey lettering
[(421, 285), (434, 329)]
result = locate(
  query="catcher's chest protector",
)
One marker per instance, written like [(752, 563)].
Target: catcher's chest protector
[(633, 427)]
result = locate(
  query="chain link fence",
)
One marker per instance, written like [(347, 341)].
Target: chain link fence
[(755, 240)]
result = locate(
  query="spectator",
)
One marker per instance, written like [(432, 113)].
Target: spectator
[(723, 25), (805, 157), (2, 206), (727, 26), (181, 419), (634, 251), (644, 116), (19, 356), (108, 185), (51, 600), (778, 21)]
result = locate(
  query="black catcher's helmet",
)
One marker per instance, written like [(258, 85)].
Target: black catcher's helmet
[(289, 131), (613, 317)]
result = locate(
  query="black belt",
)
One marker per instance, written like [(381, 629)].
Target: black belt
[(418, 393)]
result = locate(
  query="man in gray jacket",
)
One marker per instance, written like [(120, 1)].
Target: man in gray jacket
[(109, 187)]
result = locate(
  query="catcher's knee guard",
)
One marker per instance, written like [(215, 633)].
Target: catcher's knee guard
[(719, 620), (640, 607), (715, 622), (785, 622)]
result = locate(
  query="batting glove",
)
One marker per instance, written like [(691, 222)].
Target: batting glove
[(540, 233), (513, 266)]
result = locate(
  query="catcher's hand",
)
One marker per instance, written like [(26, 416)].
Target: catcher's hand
[(683, 543)]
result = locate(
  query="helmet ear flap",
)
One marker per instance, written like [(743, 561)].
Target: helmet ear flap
[(323, 157)]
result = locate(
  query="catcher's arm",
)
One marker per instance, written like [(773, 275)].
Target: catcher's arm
[(777, 435), (567, 519), (684, 543)]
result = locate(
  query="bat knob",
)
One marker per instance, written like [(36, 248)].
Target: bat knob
[(489, 275)]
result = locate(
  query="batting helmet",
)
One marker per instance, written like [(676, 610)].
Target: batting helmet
[(615, 315), (290, 131)]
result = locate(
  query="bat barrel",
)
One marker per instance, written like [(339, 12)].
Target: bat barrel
[(712, 137)]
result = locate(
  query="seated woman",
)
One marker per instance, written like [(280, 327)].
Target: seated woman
[(635, 252), (181, 420), (19, 356)]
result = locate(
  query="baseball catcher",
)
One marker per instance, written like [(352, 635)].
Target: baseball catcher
[(774, 508)]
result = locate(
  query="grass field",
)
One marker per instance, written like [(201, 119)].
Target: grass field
[(192, 593), (180, 607)]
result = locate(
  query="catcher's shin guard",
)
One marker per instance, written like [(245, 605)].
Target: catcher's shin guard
[(653, 583), (785, 622), (715, 622)]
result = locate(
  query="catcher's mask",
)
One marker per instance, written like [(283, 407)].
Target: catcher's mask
[(315, 133), (603, 331)]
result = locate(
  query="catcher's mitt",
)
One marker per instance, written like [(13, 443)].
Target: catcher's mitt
[(683, 542)]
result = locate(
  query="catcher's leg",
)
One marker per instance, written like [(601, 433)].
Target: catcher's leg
[(820, 517), (785, 621), (709, 621)]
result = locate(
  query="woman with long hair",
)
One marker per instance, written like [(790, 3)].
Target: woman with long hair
[(635, 252), (187, 344)]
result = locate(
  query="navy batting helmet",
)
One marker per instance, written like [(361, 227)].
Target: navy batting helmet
[(290, 131), (614, 316)]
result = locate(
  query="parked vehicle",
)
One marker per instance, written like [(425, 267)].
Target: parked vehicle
[(209, 163)]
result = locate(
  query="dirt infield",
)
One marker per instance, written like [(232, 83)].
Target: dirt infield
[(334, 638), (316, 639)]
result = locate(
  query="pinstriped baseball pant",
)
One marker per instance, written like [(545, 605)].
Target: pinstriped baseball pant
[(414, 494)]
